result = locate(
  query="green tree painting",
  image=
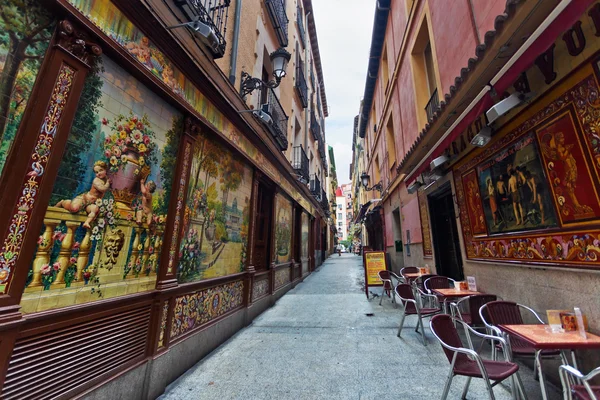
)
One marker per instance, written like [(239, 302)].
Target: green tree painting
[(25, 31), (168, 163)]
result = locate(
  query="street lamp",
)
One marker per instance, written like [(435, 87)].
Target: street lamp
[(364, 178), (279, 60)]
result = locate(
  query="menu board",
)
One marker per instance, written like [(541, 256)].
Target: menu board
[(374, 261)]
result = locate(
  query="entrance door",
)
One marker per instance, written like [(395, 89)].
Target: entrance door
[(262, 242), (448, 259)]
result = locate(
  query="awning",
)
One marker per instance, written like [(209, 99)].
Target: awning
[(368, 206), (566, 13)]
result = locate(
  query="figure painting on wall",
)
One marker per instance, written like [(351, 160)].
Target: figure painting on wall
[(215, 227), (25, 32), (283, 230), (572, 186), (512, 185), (103, 230)]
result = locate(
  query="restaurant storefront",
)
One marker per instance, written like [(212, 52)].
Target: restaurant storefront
[(145, 224)]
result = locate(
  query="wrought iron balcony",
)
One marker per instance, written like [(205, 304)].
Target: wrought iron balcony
[(213, 13), (301, 86), (300, 162), (319, 108), (324, 202), (279, 20), (314, 126), (312, 77), (432, 105), (315, 186), (300, 22), (272, 106), (322, 151)]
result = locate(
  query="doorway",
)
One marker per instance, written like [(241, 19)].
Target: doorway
[(448, 259), (262, 241)]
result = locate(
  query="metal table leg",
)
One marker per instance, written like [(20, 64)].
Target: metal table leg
[(538, 361)]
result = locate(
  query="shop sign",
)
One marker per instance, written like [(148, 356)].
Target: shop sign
[(374, 261)]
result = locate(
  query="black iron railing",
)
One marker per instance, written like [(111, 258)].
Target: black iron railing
[(279, 20), (300, 162), (273, 107), (324, 202), (322, 151), (312, 76), (301, 86), (432, 105), (213, 13), (319, 108), (300, 22), (314, 126), (315, 186)]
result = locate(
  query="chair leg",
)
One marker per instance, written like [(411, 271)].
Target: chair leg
[(422, 331), (466, 389), (382, 294), (447, 385), (513, 387), (522, 394), (401, 323), (490, 389), (535, 373)]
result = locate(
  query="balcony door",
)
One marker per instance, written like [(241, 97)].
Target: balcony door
[(264, 214)]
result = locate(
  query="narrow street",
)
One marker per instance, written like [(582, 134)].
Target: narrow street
[(319, 342)]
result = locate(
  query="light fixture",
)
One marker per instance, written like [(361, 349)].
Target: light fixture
[(279, 61), (364, 178), (483, 137), (438, 162), (203, 32), (504, 106), (413, 187)]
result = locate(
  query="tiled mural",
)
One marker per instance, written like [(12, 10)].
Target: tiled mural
[(103, 230), (216, 217), (283, 230), (196, 309)]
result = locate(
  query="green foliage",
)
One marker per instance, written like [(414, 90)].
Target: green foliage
[(168, 163), (345, 243), (72, 168)]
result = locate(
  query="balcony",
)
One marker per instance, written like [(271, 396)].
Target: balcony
[(278, 127), (213, 13), (324, 202), (314, 126), (279, 20), (301, 86), (432, 105), (300, 22), (300, 162), (312, 77), (315, 186)]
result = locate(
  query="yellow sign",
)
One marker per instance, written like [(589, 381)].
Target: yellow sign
[(374, 262)]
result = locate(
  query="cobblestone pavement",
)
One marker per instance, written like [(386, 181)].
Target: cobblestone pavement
[(319, 342)]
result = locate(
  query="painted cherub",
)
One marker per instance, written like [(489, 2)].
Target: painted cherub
[(87, 201), (145, 208), (141, 51)]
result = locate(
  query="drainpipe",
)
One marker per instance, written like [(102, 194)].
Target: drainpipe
[(234, 45)]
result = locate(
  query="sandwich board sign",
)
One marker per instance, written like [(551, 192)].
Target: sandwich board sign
[(374, 261)]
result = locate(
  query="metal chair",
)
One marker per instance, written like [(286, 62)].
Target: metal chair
[(497, 313), (584, 391), (421, 280), (413, 306), (466, 362), (438, 282), (409, 270), (470, 315), (398, 278), (387, 287)]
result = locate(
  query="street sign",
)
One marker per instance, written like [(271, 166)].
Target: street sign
[(374, 261)]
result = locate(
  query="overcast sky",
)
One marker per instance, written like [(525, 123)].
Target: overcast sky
[(344, 29)]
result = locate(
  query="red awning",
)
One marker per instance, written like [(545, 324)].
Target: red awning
[(561, 23)]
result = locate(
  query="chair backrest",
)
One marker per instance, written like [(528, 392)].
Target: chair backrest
[(437, 282), (475, 303), (503, 313), (409, 270), (444, 330), (386, 279), (405, 291)]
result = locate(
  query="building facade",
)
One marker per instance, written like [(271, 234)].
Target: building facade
[(486, 148), (166, 184)]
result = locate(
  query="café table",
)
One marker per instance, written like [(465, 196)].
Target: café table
[(411, 276), (542, 338), (446, 294)]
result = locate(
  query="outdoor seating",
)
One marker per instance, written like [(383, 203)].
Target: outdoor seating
[(466, 362), (497, 313), (437, 282), (397, 278), (387, 287), (467, 309), (421, 280), (408, 270), (582, 391), (413, 306)]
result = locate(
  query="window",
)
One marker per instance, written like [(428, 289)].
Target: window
[(340, 224), (340, 206), (340, 216), (390, 142), (425, 73), (429, 69), (385, 73)]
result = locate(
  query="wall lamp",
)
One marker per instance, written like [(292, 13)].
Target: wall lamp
[(279, 60), (483, 137), (202, 31), (364, 179)]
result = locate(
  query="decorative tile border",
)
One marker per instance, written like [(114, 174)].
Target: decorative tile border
[(110, 20), (260, 289), (423, 210), (163, 324), (180, 196), (13, 242), (282, 277), (196, 309)]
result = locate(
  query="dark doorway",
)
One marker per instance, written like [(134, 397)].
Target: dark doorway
[(448, 259), (262, 242)]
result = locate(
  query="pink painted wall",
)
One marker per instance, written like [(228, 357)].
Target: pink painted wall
[(412, 221), (485, 13)]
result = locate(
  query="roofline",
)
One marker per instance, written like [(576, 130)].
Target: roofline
[(382, 11), (314, 44)]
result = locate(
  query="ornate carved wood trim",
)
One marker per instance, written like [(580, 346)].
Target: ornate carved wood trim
[(77, 42)]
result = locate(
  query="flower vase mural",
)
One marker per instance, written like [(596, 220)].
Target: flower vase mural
[(216, 217), (283, 230), (103, 231)]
